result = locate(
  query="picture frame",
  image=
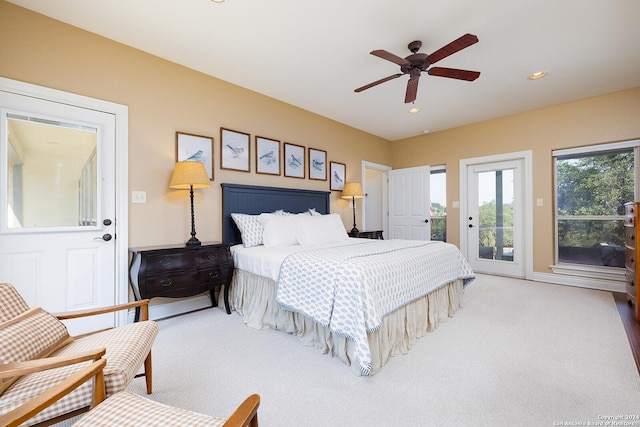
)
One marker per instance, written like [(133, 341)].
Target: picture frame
[(338, 172), (235, 150), (267, 156), (294, 160), (199, 148), (317, 164)]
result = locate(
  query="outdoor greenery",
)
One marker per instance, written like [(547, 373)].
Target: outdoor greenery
[(487, 224), (591, 193), (438, 222)]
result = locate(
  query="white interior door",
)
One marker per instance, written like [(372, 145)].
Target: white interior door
[(57, 221), (494, 217), (409, 200)]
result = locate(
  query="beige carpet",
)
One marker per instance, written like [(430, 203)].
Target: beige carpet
[(518, 354)]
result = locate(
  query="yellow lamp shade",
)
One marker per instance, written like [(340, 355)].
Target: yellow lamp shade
[(352, 190), (187, 174)]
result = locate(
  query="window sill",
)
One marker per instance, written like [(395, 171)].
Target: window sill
[(592, 272)]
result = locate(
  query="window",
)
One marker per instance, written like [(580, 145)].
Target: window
[(438, 208), (592, 186)]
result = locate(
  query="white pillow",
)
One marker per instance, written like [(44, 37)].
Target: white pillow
[(250, 227), (279, 230), (316, 230), (314, 212)]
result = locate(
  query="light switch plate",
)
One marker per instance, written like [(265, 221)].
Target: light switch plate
[(138, 197)]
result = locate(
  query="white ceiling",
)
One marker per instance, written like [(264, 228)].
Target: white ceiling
[(313, 54)]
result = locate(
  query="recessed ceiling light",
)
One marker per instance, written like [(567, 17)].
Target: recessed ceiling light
[(414, 110), (538, 75), (218, 1)]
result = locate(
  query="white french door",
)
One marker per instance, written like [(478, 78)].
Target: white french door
[(493, 216), (409, 200), (58, 205)]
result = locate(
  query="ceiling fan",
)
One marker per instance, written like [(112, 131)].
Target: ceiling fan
[(416, 63)]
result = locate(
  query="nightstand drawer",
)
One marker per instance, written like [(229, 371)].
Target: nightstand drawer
[(163, 261), (183, 283), (212, 256), (181, 271)]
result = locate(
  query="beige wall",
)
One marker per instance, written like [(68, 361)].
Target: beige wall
[(163, 98), (608, 118)]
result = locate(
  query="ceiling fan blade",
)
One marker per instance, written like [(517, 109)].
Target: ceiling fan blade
[(412, 90), (454, 73), (453, 47), (377, 82), (390, 57)]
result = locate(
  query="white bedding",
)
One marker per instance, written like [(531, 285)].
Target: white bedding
[(266, 261), (349, 288)]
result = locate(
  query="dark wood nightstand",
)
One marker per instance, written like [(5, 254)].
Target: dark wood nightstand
[(179, 271), (367, 234)]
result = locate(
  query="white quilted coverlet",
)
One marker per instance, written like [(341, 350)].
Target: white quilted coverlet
[(350, 288)]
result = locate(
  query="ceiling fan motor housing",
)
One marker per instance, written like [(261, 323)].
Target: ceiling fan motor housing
[(417, 60)]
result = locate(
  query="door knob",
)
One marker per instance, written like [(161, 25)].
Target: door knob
[(105, 237), (426, 220), (470, 225), (107, 221)]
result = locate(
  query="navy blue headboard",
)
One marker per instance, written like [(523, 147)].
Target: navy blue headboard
[(254, 199)]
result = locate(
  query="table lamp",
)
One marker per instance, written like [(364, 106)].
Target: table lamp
[(190, 175), (353, 191)]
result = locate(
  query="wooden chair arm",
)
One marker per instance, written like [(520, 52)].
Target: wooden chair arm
[(246, 415), (143, 304), (16, 369), (55, 393)]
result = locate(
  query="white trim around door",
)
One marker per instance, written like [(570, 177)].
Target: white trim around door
[(523, 158), (121, 114)]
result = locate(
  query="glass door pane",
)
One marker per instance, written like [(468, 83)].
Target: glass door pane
[(51, 174), (496, 215)]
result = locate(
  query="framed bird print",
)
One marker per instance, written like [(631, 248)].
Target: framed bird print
[(234, 150), (317, 164), (337, 173), (267, 156), (195, 148), (294, 160)]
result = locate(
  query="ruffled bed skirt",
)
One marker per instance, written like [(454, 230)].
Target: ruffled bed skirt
[(254, 298)]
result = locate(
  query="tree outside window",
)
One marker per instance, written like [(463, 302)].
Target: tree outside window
[(591, 190)]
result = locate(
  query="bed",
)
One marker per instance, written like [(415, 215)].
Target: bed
[(362, 301)]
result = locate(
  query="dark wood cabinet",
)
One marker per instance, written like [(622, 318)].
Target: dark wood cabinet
[(179, 271), (377, 234), (631, 253)]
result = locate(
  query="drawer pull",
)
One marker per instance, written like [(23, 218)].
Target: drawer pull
[(631, 260), (166, 282), (165, 262), (213, 274), (212, 257), (632, 283)]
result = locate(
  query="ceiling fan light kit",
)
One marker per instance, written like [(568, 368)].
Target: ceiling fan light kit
[(416, 63)]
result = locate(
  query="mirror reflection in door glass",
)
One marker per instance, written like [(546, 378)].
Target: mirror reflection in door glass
[(52, 174), (495, 220)]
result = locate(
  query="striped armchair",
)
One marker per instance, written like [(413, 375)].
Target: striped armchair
[(33, 334)]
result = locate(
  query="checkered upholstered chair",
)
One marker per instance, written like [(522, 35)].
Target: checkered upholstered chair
[(29, 334), (126, 409), (123, 409)]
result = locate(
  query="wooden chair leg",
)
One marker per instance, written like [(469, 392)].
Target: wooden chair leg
[(148, 373)]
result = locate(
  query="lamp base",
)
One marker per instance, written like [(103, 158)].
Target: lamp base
[(354, 230), (193, 242)]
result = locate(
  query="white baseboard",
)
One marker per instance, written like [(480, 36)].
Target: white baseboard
[(174, 307), (580, 282)]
